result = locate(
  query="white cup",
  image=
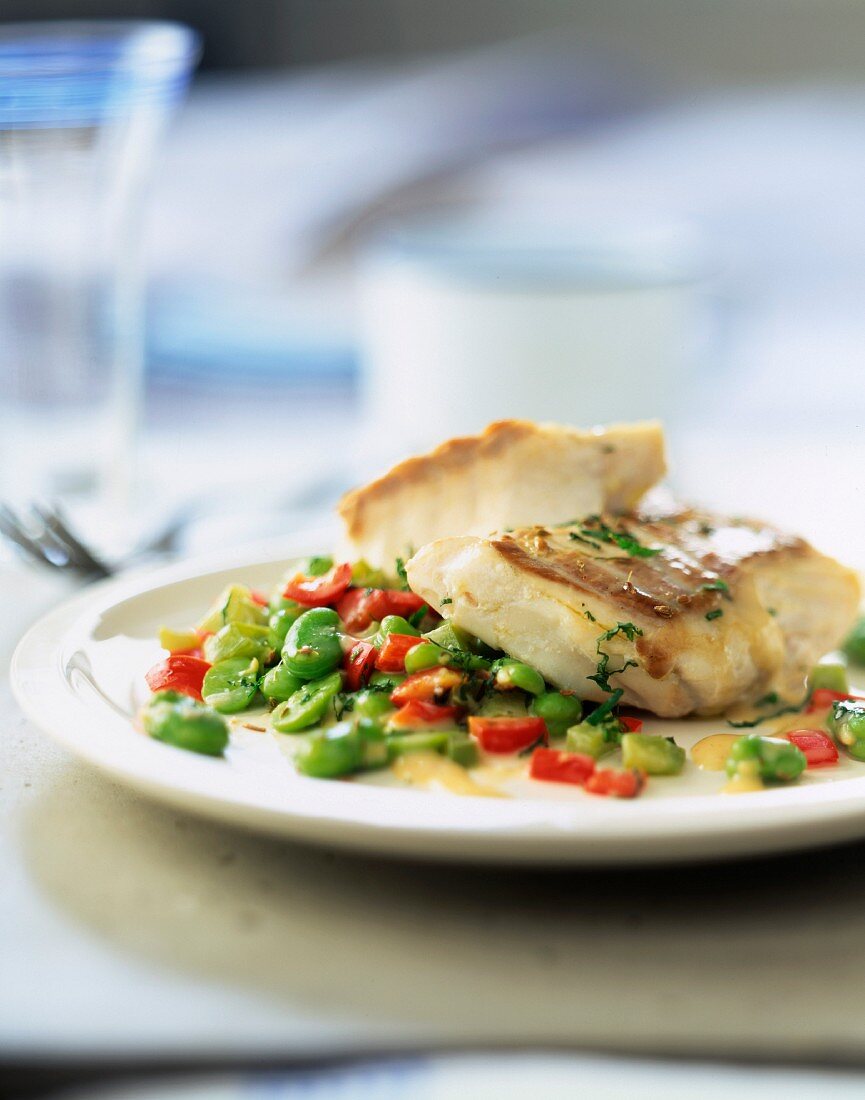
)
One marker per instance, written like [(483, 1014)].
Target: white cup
[(466, 323)]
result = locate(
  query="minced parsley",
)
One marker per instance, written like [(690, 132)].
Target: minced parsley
[(716, 614), (604, 672)]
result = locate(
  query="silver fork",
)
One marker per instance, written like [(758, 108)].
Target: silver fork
[(45, 537)]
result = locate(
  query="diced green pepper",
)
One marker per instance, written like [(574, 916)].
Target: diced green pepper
[(831, 677), (308, 706), (313, 645), (180, 721), (234, 605), (770, 759), (846, 723), (559, 711), (279, 684), (589, 740), (509, 674), (237, 640), (230, 686), (652, 755), (329, 753)]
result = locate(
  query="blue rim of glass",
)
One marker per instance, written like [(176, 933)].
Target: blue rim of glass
[(83, 73)]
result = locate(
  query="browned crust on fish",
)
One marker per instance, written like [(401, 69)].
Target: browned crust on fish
[(662, 587), (461, 454)]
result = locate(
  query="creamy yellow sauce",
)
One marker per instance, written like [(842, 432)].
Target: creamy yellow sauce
[(711, 753), (429, 770), (746, 780)]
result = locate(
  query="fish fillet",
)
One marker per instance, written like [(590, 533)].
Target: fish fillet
[(686, 612), (513, 474)]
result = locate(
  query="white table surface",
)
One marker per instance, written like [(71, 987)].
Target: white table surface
[(128, 928)]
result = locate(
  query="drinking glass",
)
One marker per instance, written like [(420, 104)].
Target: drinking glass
[(82, 106)]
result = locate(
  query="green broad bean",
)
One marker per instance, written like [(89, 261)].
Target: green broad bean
[(509, 674), (281, 621), (372, 704), (589, 740), (182, 722), (832, 677), (313, 646), (329, 753), (559, 711), (307, 706), (653, 755), (846, 723), (279, 684), (230, 686), (431, 741), (396, 624), (449, 636), (503, 705), (363, 575), (425, 655), (463, 750), (770, 759), (237, 640), (374, 744), (386, 681), (854, 643)]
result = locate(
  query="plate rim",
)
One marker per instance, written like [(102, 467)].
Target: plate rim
[(408, 823)]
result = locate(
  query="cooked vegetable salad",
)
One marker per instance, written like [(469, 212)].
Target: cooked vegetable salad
[(361, 672)]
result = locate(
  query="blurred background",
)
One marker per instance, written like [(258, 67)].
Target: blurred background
[(240, 272), (375, 223)]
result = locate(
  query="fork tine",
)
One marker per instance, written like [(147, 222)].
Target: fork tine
[(79, 555), (13, 529)]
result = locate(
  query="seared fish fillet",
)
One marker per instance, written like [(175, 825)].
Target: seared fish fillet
[(726, 611), (513, 474)]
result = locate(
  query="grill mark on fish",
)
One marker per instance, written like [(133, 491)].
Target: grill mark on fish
[(696, 549)]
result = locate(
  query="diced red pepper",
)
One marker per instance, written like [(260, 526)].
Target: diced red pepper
[(823, 698), (561, 767), (359, 663), (819, 748), (258, 597), (632, 725), (361, 606), (613, 784), (319, 591), (503, 735), (419, 715), (429, 686), (179, 672), (391, 656)]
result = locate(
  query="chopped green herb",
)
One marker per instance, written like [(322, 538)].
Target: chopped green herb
[(596, 718), (595, 528), (716, 614), (603, 672), (715, 586), (445, 601), (589, 615), (706, 529), (764, 718), (400, 572), (772, 611), (769, 700)]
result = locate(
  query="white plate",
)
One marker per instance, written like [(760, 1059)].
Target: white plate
[(79, 671)]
